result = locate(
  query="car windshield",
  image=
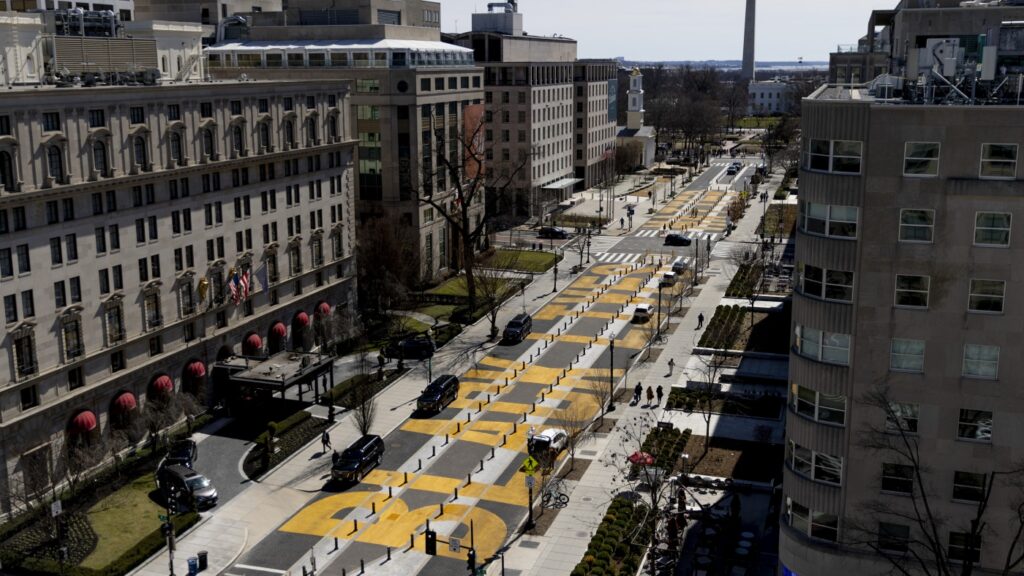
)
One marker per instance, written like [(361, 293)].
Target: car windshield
[(514, 324), (197, 483), (539, 444)]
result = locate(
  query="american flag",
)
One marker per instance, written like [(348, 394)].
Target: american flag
[(233, 287), (245, 284), (239, 287)]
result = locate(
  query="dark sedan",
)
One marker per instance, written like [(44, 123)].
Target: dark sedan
[(677, 240)]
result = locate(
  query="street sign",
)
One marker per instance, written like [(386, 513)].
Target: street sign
[(56, 508), (454, 544), (530, 465), (162, 517), (529, 481)]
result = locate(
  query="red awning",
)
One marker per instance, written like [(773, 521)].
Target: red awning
[(196, 369), (125, 402), (302, 319), (83, 423), (164, 384), (323, 308), (279, 330), (253, 344)]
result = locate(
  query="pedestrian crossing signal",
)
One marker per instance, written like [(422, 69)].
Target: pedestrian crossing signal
[(431, 542)]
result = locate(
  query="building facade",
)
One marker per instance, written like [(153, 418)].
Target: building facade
[(903, 400), (124, 9), (769, 97), (126, 213), (412, 96), (636, 141), (547, 113)]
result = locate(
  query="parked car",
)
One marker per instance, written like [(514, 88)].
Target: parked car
[(677, 240), (731, 171), (413, 348), (189, 485), (438, 394), (548, 444), (356, 461), (642, 314), (553, 232), (518, 328), (679, 267), (181, 453), (668, 280)]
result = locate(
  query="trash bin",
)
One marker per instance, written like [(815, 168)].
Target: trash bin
[(193, 565), (202, 560)]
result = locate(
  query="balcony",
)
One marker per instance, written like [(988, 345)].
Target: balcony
[(116, 335), (75, 351), (154, 320)]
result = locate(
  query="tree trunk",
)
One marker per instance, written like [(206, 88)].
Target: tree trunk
[(468, 264)]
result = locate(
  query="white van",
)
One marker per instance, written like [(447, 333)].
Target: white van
[(642, 313), (668, 280)]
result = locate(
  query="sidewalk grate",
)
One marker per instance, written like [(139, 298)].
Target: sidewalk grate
[(529, 544)]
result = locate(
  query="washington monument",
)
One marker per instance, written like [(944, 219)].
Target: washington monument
[(747, 72)]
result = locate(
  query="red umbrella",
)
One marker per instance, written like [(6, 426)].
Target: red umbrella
[(641, 458)]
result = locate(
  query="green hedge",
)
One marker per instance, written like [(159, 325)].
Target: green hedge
[(666, 445), (724, 328), (744, 282), (612, 551), (147, 546), (283, 426)]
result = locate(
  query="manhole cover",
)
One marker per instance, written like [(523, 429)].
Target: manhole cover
[(587, 499)]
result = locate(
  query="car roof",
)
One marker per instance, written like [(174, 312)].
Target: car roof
[(551, 432), (363, 442), (182, 471), (521, 317)]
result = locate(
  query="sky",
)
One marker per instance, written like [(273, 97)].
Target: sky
[(687, 29)]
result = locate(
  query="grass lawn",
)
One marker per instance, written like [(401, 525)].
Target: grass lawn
[(438, 311), (457, 287), (412, 325), (757, 122), (121, 520), (522, 260)]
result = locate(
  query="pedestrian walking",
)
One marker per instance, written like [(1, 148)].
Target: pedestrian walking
[(325, 440), (660, 393), (637, 392), (671, 366), (622, 223), (650, 395), (700, 321), (380, 360)]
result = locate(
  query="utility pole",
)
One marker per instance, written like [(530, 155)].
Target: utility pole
[(611, 374)]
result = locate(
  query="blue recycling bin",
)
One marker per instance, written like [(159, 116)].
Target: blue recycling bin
[(193, 565)]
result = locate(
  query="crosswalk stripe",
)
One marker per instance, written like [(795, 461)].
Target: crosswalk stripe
[(691, 234), (617, 257)]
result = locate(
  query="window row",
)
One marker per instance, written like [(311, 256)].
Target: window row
[(997, 161), (818, 406), (902, 479), (991, 229), (978, 360), (828, 347), (339, 59), (983, 295)]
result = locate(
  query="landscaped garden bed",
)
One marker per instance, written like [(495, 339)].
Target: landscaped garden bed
[(289, 437), (732, 405), (724, 329), (534, 261), (779, 220), (737, 459), (665, 445), (745, 281), (619, 542)]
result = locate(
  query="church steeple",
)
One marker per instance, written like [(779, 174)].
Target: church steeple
[(635, 113)]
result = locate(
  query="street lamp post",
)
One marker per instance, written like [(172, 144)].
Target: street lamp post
[(657, 334), (588, 245), (611, 374)]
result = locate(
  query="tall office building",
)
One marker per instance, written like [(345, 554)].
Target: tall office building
[(550, 118), (905, 412), (149, 230), (413, 98)]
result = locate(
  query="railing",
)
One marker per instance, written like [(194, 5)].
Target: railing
[(27, 368), (188, 309), (117, 336), (75, 352), (154, 320)]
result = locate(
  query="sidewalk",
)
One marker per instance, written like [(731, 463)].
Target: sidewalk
[(566, 540)]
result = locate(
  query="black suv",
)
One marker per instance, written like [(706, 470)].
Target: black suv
[(358, 459), (518, 328), (415, 348), (553, 232), (438, 394)]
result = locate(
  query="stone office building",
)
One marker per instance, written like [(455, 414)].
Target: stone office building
[(125, 212), (413, 97)]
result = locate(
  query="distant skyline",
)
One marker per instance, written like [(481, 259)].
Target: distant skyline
[(687, 29)]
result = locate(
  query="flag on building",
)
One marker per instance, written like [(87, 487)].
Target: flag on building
[(233, 285), (263, 275), (244, 286)]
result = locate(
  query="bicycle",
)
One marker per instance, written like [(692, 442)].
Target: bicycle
[(553, 499)]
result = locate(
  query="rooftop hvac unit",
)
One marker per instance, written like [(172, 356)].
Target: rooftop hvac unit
[(942, 54)]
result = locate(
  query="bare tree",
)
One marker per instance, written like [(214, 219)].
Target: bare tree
[(578, 426), (926, 550), (496, 283), (734, 100), (385, 252), (705, 390), (365, 409), (461, 162), (628, 156)]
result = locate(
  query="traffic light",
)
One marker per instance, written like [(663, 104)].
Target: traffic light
[(165, 529), (471, 561), (431, 542)]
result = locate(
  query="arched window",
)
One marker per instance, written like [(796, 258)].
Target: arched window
[(311, 128), (99, 157), (208, 142), (236, 139), (55, 162), (176, 155), (289, 132), (141, 156), (6, 170), (265, 135)]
